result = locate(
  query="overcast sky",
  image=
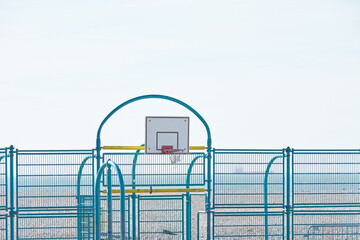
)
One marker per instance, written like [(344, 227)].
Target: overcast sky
[(263, 74)]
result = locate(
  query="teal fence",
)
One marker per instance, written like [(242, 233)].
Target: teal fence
[(255, 194)]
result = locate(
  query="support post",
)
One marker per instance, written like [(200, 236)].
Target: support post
[(109, 203), (12, 211), (288, 189), (208, 199)]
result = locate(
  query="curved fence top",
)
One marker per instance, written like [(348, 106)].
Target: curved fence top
[(98, 141)]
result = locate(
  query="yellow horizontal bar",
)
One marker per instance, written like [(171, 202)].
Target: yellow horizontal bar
[(197, 148), (143, 148), (165, 190), (123, 147)]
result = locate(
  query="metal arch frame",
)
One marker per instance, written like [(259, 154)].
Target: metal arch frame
[(109, 164), (209, 148), (98, 136)]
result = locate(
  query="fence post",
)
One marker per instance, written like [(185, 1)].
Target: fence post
[(134, 194), (288, 189), (12, 211), (208, 201), (109, 203)]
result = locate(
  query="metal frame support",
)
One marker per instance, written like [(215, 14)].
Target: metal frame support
[(12, 212), (288, 208)]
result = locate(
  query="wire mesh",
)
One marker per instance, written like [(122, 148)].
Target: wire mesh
[(47, 197), (3, 180), (3, 194), (161, 217), (85, 217), (47, 226), (48, 180), (197, 205), (245, 225), (157, 170), (325, 179), (115, 217), (239, 179), (326, 225), (3, 227)]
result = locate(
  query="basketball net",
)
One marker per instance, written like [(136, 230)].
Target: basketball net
[(174, 154)]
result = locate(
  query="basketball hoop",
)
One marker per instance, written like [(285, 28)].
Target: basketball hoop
[(174, 154)]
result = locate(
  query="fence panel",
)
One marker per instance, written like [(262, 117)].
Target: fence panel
[(326, 225), (248, 194), (325, 194), (141, 169), (115, 217), (326, 178), (239, 179), (47, 197), (161, 217), (3, 180), (3, 227), (245, 225)]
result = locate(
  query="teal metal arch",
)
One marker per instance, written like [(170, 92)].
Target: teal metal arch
[(207, 128), (188, 199), (79, 207), (152, 96), (108, 164), (266, 224)]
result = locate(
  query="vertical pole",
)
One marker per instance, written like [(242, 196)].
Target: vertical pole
[(133, 198), (109, 202), (288, 202), (188, 216), (98, 204), (188, 199), (98, 152), (134, 194), (208, 203), (12, 202)]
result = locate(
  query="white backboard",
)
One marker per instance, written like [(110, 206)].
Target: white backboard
[(166, 131)]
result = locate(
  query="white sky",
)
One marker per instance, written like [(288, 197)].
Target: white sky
[(264, 74)]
